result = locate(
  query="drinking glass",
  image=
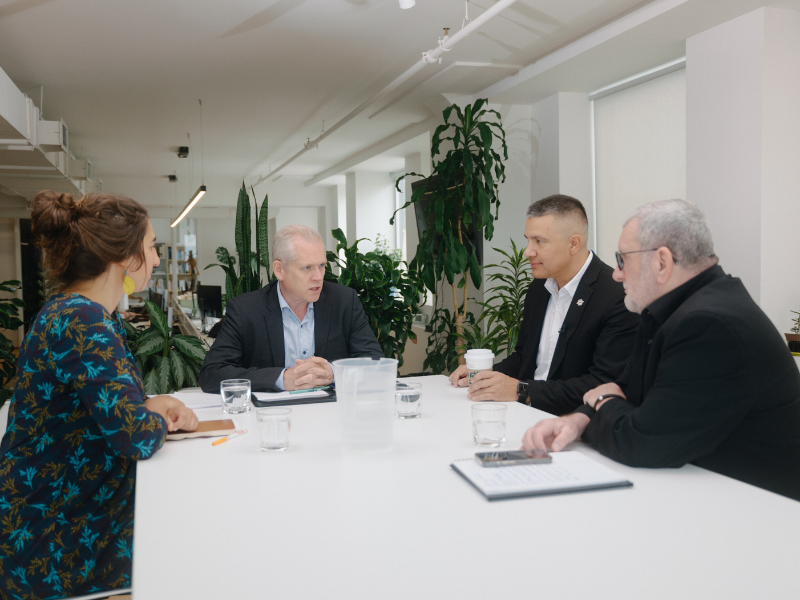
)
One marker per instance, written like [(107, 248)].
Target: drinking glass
[(274, 425), (489, 423), (235, 396), (406, 400)]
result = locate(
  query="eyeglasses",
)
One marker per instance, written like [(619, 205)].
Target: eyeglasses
[(621, 263)]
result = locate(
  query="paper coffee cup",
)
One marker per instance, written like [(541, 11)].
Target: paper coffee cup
[(478, 359)]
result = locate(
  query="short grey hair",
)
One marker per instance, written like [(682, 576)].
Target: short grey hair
[(677, 224), (283, 244)]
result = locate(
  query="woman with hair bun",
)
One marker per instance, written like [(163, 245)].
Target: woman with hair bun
[(79, 418)]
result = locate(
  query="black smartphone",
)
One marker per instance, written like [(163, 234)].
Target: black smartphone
[(507, 458)]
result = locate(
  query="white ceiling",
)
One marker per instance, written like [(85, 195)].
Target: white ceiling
[(126, 76)]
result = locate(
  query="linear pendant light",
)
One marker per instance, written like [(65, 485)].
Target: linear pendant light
[(202, 189)]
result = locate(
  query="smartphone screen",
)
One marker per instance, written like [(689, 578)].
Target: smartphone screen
[(507, 458)]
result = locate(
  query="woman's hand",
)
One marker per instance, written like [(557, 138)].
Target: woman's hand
[(174, 412)]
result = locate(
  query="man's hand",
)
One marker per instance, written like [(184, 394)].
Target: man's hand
[(459, 377), (591, 396), (308, 373), (491, 385), (555, 433)]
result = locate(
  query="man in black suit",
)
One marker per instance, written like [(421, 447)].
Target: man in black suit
[(283, 336), (575, 332), (710, 382)]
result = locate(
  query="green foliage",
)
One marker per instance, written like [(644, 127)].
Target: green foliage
[(166, 361), (382, 247), (466, 189), (502, 310), (796, 327), (390, 294), (248, 279), (444, 342), (9, 319)]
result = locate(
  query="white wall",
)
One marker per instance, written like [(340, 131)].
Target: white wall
[(640, 145), (375, 203), (743, 150), (8, 268)]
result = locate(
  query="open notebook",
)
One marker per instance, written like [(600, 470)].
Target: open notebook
[(569, 472)]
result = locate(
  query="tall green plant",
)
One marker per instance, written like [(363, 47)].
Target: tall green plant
[(166, 361), (248, 279), (9, 320), (390, 294), (463, 189)]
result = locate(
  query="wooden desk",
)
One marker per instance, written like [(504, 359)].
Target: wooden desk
[(232, 522)]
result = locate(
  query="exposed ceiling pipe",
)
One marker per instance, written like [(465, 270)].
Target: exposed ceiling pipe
[(427, 57)]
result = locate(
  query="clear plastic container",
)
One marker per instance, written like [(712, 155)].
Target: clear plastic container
[(365, 391)]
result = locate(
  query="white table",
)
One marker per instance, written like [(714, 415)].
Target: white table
[(311, 523)]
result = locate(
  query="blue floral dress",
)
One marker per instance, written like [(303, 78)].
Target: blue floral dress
[(77, 424)]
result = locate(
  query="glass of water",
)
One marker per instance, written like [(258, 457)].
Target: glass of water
[(274, 425), (489, 423), (406, 400), (235, 396)]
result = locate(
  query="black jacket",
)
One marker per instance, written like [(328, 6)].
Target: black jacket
[(711, 382), (593, 347), (250, 343)]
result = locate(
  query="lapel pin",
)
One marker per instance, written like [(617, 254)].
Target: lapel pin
[(580, 302)]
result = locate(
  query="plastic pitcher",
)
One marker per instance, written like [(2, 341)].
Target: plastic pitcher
[(365, 390)]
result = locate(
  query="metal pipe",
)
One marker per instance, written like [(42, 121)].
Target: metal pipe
[(430, 56)]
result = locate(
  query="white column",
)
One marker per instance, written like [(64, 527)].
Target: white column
[(350, 207), (743, 150)]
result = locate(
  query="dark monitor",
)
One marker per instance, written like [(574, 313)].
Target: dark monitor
[(472, 234), (151, 294), (158, 300), (209, 300)]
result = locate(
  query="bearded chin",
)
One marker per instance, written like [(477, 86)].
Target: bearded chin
[(631, 305)]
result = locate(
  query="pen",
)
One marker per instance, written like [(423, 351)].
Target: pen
[(229, 437), (316, 389)]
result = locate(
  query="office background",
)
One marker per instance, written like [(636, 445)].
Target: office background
[(616, 102)]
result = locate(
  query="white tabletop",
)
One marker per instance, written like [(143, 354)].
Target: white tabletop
[(311, 523)]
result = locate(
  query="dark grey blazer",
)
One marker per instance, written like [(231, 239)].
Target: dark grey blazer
[(250, 343)]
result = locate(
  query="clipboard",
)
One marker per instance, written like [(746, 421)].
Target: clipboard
[(330, 396)]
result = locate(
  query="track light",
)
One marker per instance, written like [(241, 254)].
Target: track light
[(407, 3)]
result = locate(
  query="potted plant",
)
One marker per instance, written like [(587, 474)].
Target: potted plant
[(390, 294), (9, 319), (463, 190), (166, 361), (249, 277), (793, 338)]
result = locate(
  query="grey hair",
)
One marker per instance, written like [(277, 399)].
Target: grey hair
[(677, 224), (283, 244)]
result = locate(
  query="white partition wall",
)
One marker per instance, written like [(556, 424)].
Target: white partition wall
[(640, 152), (743, 150)]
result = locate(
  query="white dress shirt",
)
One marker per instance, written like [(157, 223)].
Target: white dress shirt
[(557, 308)]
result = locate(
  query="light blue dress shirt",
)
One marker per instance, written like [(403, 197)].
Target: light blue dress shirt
[(298, 336)]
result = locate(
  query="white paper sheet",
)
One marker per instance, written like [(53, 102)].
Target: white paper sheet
[(569, 470), (297, 395)]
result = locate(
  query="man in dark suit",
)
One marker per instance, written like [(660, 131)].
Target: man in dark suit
[(283, 336), (575, 332), (710, 382)]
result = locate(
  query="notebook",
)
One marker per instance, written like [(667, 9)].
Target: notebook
[(569, 472), (266, 399), (204, 429)]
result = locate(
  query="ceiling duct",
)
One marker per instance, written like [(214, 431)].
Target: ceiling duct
[(80, 169), (53, 136)]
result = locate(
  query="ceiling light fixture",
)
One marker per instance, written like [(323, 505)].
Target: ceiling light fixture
[(407, 3), (202, 189)]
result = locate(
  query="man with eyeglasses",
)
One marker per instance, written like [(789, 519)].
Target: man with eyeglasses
[(575, 332), (711, 381)]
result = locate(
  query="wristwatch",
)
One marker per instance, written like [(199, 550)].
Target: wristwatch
[(522, 393)]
